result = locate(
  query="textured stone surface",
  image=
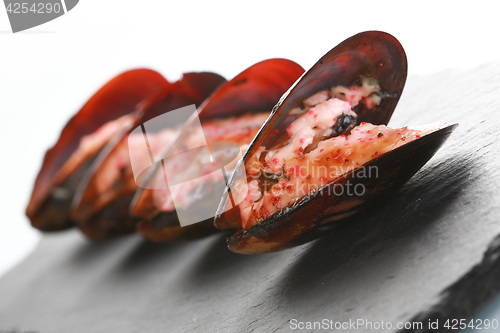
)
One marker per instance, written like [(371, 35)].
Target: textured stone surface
[(430, 251)]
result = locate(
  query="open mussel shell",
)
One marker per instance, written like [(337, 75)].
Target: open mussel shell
[(256, 89), (49, 205), (309, 218), (370, 55), (103, 211), (373, 54)]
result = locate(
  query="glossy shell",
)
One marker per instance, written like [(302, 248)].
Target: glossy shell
[(101, 214), (370, 54), (256, 89), (49, 206)]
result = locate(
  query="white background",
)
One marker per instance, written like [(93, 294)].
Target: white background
[(48, 72)]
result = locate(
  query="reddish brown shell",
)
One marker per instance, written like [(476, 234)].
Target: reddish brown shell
[(256, 89), (100, 215), (371, 54), (46, 209)]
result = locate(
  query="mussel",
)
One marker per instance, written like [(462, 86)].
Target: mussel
[(81, 140), (100, 206), (232, 116), (325, 152)]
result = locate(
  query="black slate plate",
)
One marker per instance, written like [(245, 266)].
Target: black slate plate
[(432, 251)]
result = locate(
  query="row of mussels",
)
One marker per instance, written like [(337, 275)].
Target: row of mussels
[(302, 140)]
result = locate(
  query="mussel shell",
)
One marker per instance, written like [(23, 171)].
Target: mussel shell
[(116, 98), (99, 216), (321, 211), (256, 89), (371, 54)]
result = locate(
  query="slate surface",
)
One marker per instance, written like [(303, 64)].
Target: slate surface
[(431, 251)]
